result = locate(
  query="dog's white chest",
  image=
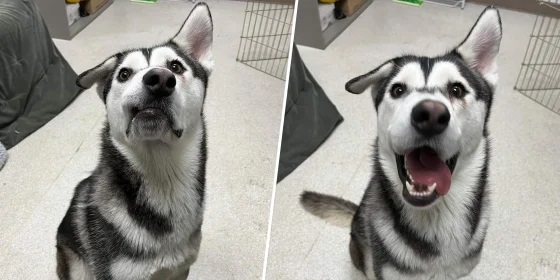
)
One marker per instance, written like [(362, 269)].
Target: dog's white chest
[(171, 190), (181, 206)]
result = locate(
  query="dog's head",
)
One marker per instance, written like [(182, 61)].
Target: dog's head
[(157, 93), (433, 109)]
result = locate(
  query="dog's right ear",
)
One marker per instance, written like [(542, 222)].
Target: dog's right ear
[(195, 36), (97, 75), (370, 79), (480, 48)]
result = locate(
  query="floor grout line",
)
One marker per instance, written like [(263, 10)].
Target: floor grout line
[(52, 183), (312, 246), (320, 232), (364, 159), (76, 151)]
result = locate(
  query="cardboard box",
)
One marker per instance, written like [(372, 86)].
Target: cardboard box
[(93, 6), (349, 7)]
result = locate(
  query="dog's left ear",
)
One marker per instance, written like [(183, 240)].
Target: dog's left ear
[(98, 75), (195, 36), (371, 79), (480, 48)]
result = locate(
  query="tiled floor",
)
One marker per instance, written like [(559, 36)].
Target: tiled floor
[(523, 241), (243, 112)]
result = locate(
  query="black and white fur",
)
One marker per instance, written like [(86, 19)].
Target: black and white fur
[(139, 214), (390, 237)]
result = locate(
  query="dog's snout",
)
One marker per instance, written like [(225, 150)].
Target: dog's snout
[(160, 82), (430, 118)]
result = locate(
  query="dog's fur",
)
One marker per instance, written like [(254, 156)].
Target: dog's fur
[(139, 215), (390, 237)]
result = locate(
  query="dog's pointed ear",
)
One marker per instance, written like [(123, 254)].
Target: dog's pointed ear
[(480, 48), (97, 74), (195, 36), (372, 78)]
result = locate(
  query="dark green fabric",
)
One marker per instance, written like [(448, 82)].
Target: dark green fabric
[(36, 82), (310, 118)]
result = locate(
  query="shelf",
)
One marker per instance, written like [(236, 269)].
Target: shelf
[(308, 31), (82, 22), (54, 15), (339, 25)]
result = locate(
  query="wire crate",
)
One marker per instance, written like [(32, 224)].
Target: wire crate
[(539, 77), (265, 38), (449, 3)]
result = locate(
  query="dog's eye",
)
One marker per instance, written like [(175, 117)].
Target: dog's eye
[(457, 90), (124, 75), (397, 90), (176, 67)]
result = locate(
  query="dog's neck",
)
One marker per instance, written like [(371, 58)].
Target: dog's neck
[(156, 171), (163, 163), (159, 174)]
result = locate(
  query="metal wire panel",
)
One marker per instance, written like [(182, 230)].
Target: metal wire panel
[(265, 38), (539, 77), (449, 3)]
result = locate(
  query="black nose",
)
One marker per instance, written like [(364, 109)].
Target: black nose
[(160, 82), (430, 118)]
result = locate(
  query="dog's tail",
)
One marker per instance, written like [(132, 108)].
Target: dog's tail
[(334, 210)]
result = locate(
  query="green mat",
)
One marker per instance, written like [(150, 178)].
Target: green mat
[(417, 3), (145, 1)]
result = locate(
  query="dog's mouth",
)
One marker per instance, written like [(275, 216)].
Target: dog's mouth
[(425, 177), (152, 118)]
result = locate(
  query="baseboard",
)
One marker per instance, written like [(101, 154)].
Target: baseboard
[(526, 6)]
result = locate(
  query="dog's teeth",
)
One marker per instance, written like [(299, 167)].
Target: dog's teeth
[(410, 187), (432, 187), (422, 193)]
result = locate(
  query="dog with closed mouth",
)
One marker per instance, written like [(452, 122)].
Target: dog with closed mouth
[(425, 211), (139, 214)]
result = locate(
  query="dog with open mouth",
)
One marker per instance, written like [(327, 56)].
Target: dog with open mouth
[(139, 214), (425, 211)]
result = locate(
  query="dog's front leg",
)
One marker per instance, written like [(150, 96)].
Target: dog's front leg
[(181, 272)]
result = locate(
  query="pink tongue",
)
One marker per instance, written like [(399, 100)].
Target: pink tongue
[(425, 167)]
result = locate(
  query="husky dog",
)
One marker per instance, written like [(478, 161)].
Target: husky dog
[(425, 211), (139, 214)]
